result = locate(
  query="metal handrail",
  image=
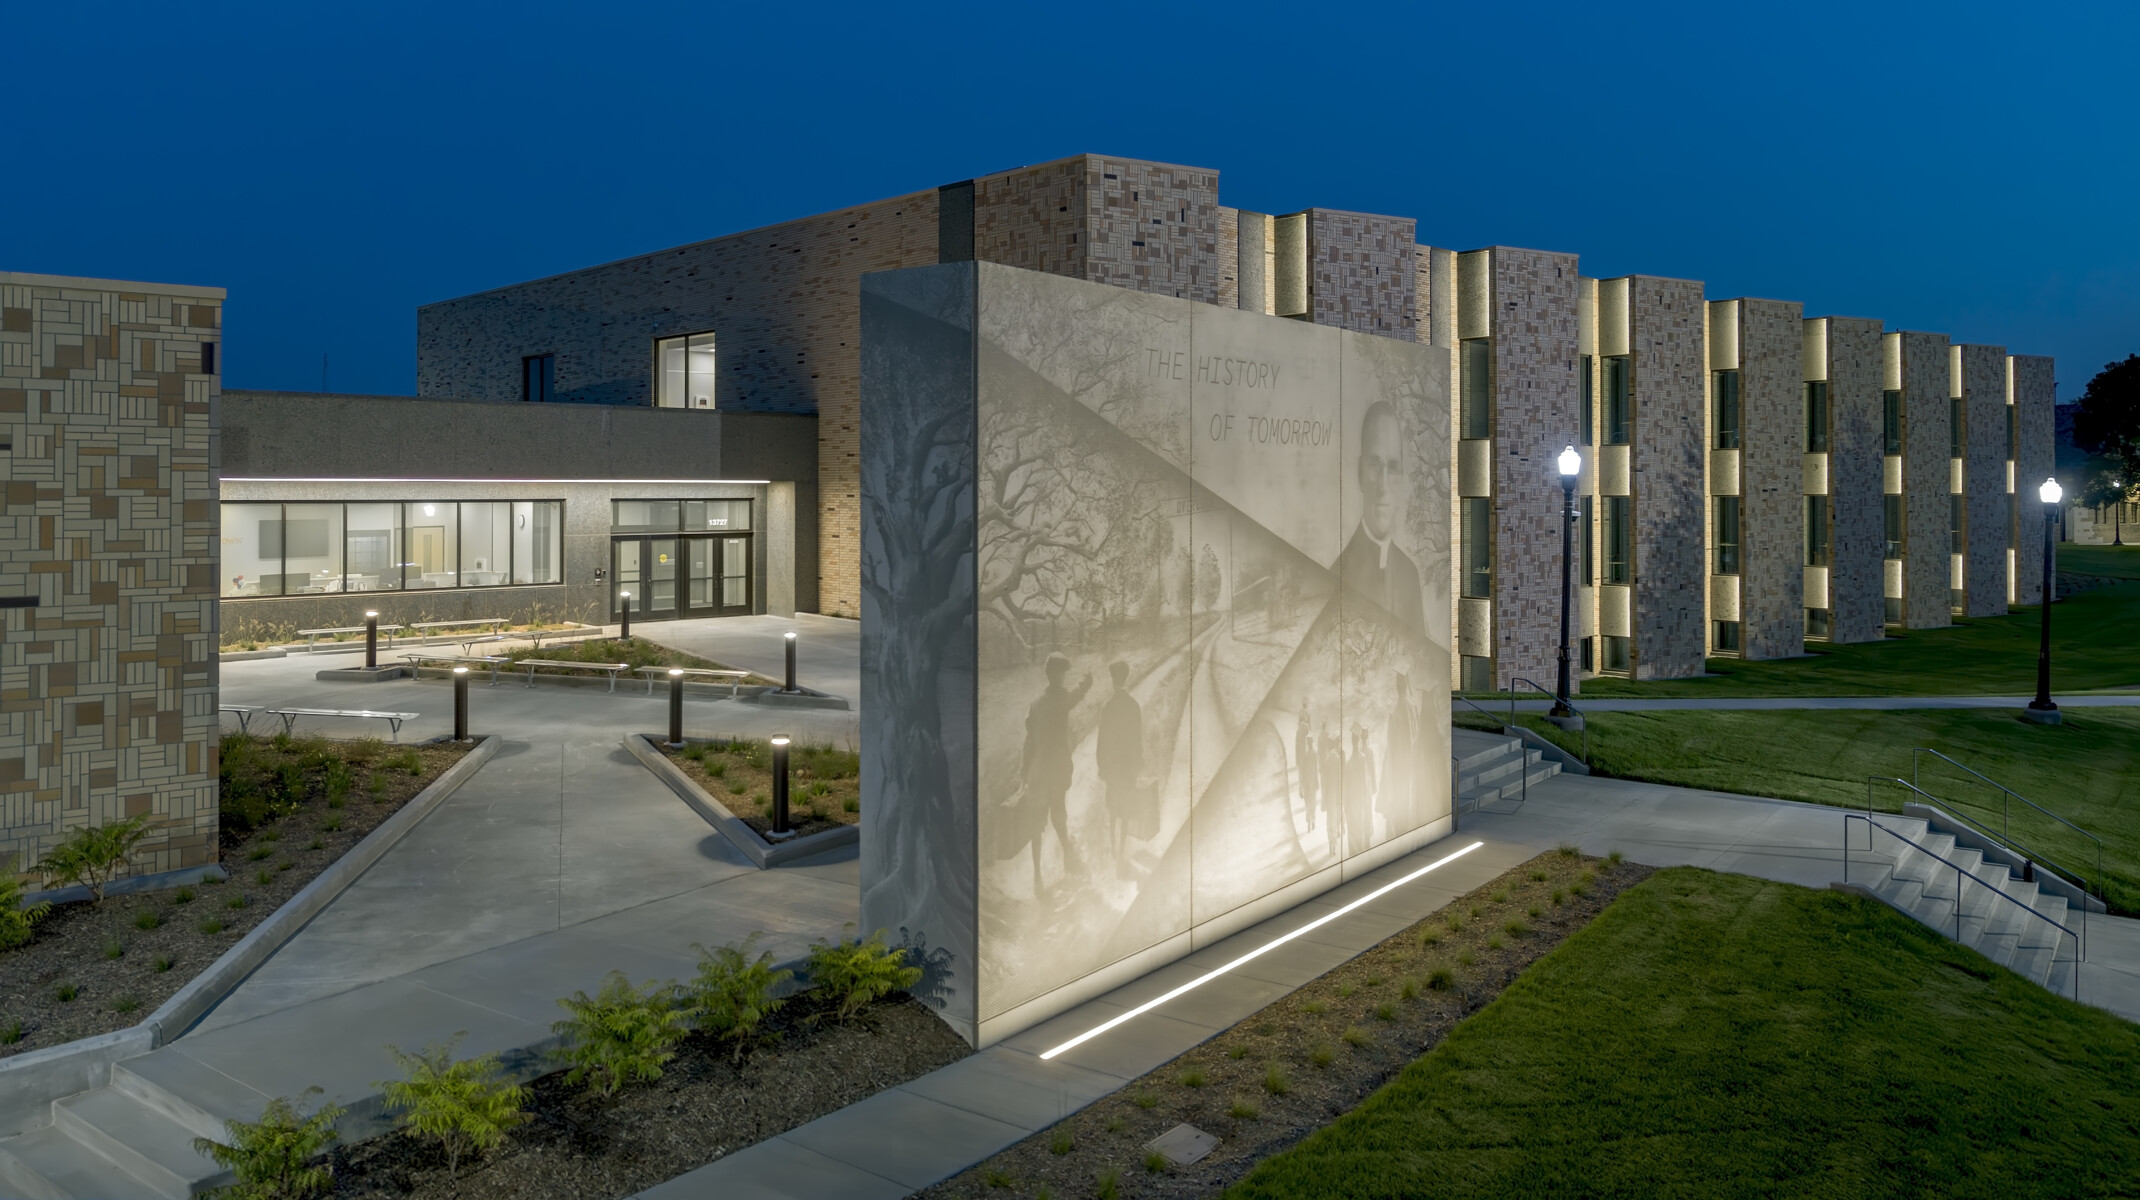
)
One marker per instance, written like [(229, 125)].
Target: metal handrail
[(1524, 797), (2009, 844), (2005, 812), (1959, 876), (1513, 681)]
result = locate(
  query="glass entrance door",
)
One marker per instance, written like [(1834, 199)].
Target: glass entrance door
[(682, 577), (718, 576), (661, 574)]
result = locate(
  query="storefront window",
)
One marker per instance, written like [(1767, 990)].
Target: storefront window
[(374, 548), (434, 545), (727, 516), (683, 371), (310, 549), (486, 542), (661, 516), (538, 529), (248, 570)]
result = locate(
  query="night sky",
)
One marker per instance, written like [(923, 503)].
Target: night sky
[(1963, 168)]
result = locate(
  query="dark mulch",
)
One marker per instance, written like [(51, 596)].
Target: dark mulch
[(824, 784), (1327, 1046), (702, 1108), (74, 944)]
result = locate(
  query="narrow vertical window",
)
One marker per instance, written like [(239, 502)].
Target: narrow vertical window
[(1891, 515), (2011, 431), (1585, 533), (1891, 421), (1817, 531), (1619, 385), (684, 371), (1816, 393), (208, 362), (1619, 539), (1957, 524), (1478, 548), (1586, 392), (538, 378), (1957, 427), (1724, 390), (1478, 385), (1725, 528)]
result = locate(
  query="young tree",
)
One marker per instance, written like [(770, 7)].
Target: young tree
[(94, 856), (271, 1157), (733, 993), (465, 1105), (620, 1035), (2107, 420)]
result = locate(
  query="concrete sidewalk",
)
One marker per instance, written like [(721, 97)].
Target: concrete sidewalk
[(934, 1127)]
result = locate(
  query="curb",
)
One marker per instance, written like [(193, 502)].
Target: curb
[(30, 1082), (762, 854)]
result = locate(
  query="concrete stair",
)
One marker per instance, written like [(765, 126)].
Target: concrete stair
[(132, 1139), (1912, 878), (1492, 767)]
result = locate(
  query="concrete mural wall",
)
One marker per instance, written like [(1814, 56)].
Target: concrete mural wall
[(1147, 646)]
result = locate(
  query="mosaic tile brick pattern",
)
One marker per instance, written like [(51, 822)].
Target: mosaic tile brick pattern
[(1772, 618), (2035, 393), (1667, 325), (108, 685), (1361, 272), (1535, 396), (1991, 515), (1857, 518), (1925, 421)]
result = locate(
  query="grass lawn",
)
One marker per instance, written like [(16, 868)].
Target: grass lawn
[(2123, 562), (2086, 770), (1715, 1035), (2095, 643)]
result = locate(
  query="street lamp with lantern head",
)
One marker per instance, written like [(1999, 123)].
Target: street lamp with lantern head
[(2041, 710), (1571, 465)]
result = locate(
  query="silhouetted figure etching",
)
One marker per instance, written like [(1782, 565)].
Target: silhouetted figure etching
[(1360, 792), (1395, 799), (1372, 567), (1331, 775), (1304, 754), (1047, 761), (1120, 757)]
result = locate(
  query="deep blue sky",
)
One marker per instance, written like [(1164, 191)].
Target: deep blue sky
[(1963, 168)]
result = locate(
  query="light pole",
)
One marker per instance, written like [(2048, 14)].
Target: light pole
[(2041, 710), (1571, 465)]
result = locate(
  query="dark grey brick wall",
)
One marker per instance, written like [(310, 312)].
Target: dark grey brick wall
[(1666, 339)]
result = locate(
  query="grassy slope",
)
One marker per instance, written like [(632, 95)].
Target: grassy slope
[(1714, 1035), (2086, 770), (2120, 561), (2095, 643)]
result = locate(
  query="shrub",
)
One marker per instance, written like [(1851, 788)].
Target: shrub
[(1242, 1110), (1314, 1008), (1275, 1081), (66, 992), (1356, 1037), (1538, 877), (1193, 1077), (113, 948), (1323, 1055), (1145, 1099), (733, 993), (161, 964), (1614, 859), (94, 856), (1516, 928), (147, 919), (183, 895), (17, 920), (854, 973), (1154, 1162), (1387, 1011), (1063, 1142), (1237, 1052), (1107, 1185), (339, 780), (621, 1034), (126, 1004), (10, 1033), (1441, 979), (464, 1105), (211, 925), (1568, 850), (270, 1156)]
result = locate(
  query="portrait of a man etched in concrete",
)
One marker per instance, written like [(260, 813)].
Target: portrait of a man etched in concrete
[(1372, 566)]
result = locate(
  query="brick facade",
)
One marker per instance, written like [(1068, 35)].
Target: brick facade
[(1858, 521), (1991, 514), (1361, 274), (109, 523), (1916, 364), (1772, 514), (2035, 388), (1535, 393), (1666, 340)]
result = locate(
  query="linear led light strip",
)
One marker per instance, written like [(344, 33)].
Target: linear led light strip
[(1258, 952), (453, 479)]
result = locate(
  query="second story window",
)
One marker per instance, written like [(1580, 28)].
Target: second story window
[(1477, 408), (1619, 399), (538, 377), (1725, 391), (1586, 399), (1891, 421), (1816, 416), (683, 371)]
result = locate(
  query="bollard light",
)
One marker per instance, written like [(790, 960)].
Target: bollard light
[(371, 639), (781, 829), (791, 662), (460, 704), (626, 597), (676, 708)]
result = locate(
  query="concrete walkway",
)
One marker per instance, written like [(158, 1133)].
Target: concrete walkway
[(934, 1127), (1666, 704)]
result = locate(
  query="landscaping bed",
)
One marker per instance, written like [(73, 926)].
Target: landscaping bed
[(824, 783), (637, 652), (1276, 1077), (291, 807), (286, 637), (704, 1106)]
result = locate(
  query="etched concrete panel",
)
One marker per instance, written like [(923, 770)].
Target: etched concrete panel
[(1857, 518), (1984, 477), (1772, 618), (1666, 320)]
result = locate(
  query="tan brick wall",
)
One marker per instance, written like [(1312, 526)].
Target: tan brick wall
[(1858, 538), (1923, 376), (1772, 510), (1033, 217), (2035, 382), (108, 686), (1535, 392), (1990, 510), (1667, 323)]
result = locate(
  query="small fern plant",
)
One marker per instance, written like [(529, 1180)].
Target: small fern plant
[(733, 994), (464, 1105), (272, 1157), (852, 973), (620, 1035), (17, 920), (94, 855)]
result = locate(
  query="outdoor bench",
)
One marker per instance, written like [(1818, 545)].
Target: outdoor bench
[(244, 712), (313, 636), (613, 668), (417, 660), (732, 678), (393, 719)]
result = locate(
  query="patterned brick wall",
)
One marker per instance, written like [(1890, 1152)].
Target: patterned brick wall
[(1990, 512), (1534, 300), (1667, 323), (2035, 392), (1152, 227), (1230, 258), (109, 521), (1923, 375), (1858, 543), (1772, 618), (1033, 218), (783, 302), (1361, 272)]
